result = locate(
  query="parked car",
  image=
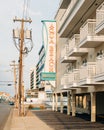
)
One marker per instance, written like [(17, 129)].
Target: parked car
[(11, 103)]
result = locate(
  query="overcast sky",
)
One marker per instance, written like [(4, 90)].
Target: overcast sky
[(39, 10)]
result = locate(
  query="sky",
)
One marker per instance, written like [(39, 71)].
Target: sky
[(38, 10)]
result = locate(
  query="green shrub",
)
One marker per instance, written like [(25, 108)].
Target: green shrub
[(30, 106)]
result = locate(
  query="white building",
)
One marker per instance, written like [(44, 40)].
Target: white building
[(80, 57)]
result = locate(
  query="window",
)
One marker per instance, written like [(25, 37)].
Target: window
[(84, 62), (99, 54)]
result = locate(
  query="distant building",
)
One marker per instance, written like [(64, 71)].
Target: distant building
[(33, 78), (5, 96), (40, 68), (36, 92)]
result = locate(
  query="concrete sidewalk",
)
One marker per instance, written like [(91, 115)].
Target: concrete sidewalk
[(28, 122)]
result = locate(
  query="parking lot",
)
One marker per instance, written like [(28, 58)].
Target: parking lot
[(59, 121)]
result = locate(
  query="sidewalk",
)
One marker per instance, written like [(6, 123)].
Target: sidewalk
[(28, 122)]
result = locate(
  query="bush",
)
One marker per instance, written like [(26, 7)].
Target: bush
[(42, 107), (30, 106)]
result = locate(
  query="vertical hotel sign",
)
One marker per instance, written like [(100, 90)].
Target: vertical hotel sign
[(49, 40)]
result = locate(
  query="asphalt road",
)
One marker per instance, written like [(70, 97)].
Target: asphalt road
[(5, 109)]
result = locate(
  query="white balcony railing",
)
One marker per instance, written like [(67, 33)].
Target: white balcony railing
[(64, 79), (99, 66), (71, 76), (70, 79), (88, 71), (64, 51), (76, 77), (74, 42), (100, 15), (87, 29)]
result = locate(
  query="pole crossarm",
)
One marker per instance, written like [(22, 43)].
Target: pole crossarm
[(22, 20)]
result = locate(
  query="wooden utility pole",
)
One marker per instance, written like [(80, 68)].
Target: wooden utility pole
[(21, 39), (15, 82)]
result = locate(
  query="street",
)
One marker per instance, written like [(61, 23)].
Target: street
[(4, 113)]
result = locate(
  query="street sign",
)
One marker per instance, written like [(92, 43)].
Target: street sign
[(48, 76)]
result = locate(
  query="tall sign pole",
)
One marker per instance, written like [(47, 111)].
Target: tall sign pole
[(21, 44)]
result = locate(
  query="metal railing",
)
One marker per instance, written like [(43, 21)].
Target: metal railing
[(74, 42), (87, 29), (99, 66), (88, 71), (70, 78), (100, 14), (64, 51), (64, 79)]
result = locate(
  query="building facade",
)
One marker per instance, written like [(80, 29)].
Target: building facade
[(40, 68), (33, 78), (36, 92), (80, 57)]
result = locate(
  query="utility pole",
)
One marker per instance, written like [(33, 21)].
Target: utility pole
[(21, 45), (15, 82)]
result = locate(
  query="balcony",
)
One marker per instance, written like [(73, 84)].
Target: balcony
[(77, 12), (66, 14), (64, 55), (64, 81), (88, 37), (70, 80), (87, 74), (100, 70), (74, 50), (100, 20), (64, 4), (76, 78)]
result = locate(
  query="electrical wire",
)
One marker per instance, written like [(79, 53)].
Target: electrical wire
[(26, 7), (6, 81)]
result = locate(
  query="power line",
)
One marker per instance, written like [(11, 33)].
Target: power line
[(6, 81), (9, 84), (26, 9), (24, 6)]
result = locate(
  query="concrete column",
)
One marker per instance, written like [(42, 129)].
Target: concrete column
[(56, 103), (93, 107), (68, 103), (73, 105), (53, 102), (61, 103)]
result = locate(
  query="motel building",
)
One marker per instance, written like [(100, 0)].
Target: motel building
[(80, 58)]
